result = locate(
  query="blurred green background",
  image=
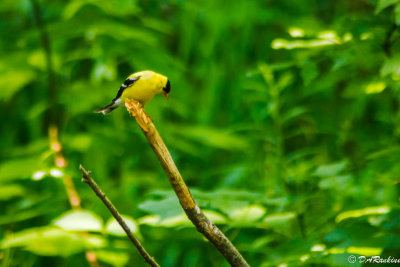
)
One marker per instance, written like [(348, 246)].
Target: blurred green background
[(283, 118)]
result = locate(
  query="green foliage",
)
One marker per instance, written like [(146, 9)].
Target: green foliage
[(50, 241), (283, 118)]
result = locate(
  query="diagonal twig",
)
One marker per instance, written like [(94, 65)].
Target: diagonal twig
[(53, 118), (87, 178)]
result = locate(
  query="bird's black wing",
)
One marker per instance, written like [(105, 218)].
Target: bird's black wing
[(128, 82)]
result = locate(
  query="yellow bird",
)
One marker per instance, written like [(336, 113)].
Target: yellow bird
[(140, 86)]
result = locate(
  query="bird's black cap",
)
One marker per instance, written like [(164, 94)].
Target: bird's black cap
[(167, 87)]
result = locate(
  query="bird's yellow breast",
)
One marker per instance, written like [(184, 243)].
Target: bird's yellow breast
[(144, 89)]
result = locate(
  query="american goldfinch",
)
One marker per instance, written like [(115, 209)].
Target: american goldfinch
[(140, 86)]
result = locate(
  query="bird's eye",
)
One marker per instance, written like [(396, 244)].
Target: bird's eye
[(167, 87)]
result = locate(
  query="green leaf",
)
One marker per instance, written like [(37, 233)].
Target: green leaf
[(25, 215), (79, 142), (247, 215), (86, 104), (390, 152), (365, 251), (397, 14), (125, 32), (330, 170), (293, 113), (363, 212), (38, 59), (278, 218), (211, 137), (103, 71), (112, 257), (12, 81), (20, 168), (180, 220), (382, 4), (267, 74), (391, 66), (11, 191), (234, 194), (79, 221), (215, 217), (309, 72), (112, 7), (167, 207), (284, 81), (173, 221), (52, 241), (114, 228), (340, 182), (311, 43), (375, 87), (229, 200)]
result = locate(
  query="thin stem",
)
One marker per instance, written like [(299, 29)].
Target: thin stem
[(387, 44), (45, 40), (87, 178), (53, 118), (194, 213)]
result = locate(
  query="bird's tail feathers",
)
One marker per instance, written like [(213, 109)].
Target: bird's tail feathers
[(107, 109)]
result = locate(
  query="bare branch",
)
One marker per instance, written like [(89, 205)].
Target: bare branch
[(202, 223), (87, 178)]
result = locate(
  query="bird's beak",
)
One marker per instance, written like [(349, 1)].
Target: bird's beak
[(165, 95)]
